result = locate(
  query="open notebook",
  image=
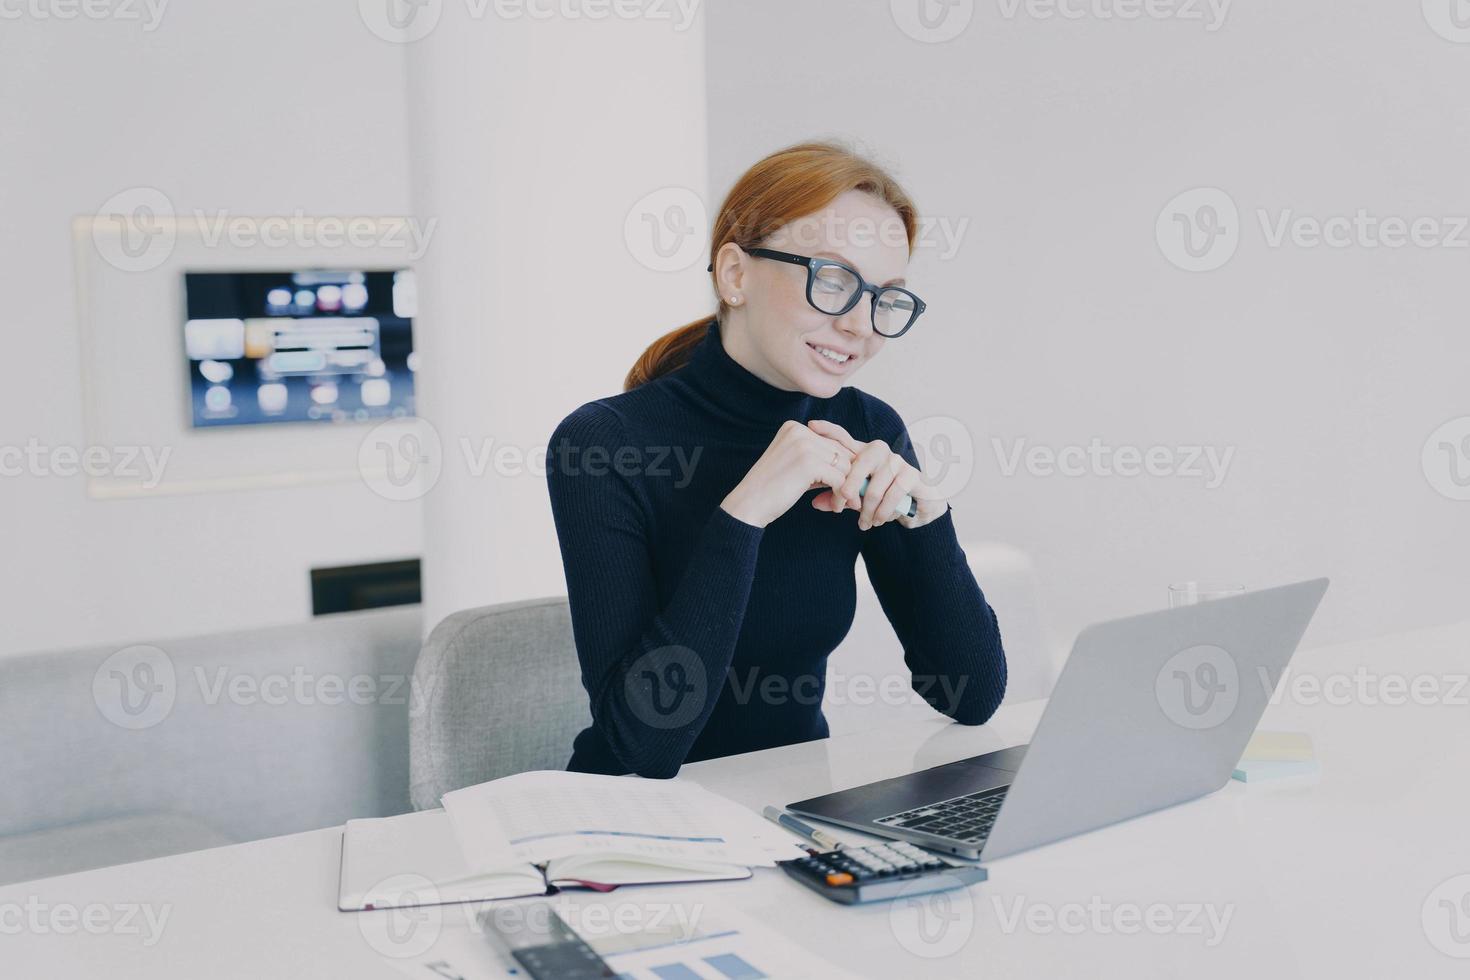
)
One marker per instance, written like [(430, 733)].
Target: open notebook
[(529, 833)]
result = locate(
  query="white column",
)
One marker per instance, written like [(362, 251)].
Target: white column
[(536, 142)]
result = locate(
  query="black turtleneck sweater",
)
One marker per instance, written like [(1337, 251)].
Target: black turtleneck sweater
[(700, 635)]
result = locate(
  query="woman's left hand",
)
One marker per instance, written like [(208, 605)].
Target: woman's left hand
[(889, 476)]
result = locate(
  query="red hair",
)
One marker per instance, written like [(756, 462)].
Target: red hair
[(778, 189)]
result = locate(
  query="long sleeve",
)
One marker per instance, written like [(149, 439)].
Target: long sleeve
[(950, 636), (652, 674)]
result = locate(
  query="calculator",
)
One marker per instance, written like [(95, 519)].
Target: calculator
[(853, 875)]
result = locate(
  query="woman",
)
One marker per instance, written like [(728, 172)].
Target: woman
[(706, 587)]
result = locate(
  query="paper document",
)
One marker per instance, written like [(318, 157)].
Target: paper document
[(538, 817)]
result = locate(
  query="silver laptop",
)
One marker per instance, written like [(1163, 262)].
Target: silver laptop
[(1150, 711)]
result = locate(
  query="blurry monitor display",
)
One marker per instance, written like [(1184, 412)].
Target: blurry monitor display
[(304, 346)]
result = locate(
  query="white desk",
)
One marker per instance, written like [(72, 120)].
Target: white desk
[(1324, 878)]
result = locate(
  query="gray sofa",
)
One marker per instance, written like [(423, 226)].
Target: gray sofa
[(116, 755)]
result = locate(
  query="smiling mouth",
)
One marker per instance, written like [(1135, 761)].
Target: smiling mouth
[(835, 358)]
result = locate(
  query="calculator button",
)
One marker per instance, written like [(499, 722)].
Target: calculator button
[(839, 878)]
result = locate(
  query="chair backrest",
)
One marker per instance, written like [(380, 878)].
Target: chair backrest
[(496, 691)]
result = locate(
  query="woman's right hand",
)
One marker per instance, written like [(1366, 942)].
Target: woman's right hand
[(796, 461)]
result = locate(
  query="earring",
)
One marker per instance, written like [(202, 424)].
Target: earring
[(734, 300)]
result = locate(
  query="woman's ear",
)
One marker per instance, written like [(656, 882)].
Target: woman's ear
[(729, 268)]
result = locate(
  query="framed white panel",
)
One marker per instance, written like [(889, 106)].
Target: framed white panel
[(135, 379)]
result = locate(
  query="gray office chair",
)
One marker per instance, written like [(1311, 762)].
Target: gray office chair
[(496, 691)]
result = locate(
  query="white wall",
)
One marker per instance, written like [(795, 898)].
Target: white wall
[(541, 290), (1059, 318), (264, 108)]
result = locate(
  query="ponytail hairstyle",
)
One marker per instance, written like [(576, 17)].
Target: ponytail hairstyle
[(778, 189)]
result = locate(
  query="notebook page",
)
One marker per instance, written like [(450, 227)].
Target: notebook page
[(540, 816), (414, 859)]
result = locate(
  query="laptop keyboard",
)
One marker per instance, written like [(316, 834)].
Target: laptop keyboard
[(964, 818)]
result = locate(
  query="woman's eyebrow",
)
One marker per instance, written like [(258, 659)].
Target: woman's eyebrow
[(827, 253)]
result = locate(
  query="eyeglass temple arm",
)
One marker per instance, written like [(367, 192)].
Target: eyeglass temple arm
[(771, 254)]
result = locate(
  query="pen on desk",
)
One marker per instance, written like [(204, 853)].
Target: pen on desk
[(822, 839)]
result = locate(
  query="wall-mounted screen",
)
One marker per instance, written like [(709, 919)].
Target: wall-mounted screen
[(304, 346)]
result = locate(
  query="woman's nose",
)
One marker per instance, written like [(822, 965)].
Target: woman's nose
[(858, 321)]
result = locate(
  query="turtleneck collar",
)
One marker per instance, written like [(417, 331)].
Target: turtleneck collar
[(730, 391)]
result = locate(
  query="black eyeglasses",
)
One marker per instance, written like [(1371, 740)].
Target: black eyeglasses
[(834, 288)]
